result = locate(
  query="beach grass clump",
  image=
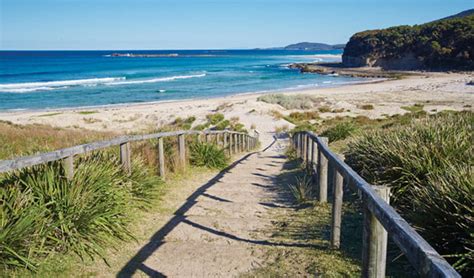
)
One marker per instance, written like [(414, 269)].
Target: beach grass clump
[(413, 108), (291, 101), (298, 117), (207, 155), (43, 212), (428, 164), (302, 189), (215, 118), (366, 107), (340, 131)]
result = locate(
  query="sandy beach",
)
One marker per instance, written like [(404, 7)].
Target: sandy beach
[(435, 91)]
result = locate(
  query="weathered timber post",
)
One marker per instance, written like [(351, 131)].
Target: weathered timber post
[(303, 146), (182, 150), (249, 145), (236, 143), (323, 173), (337, 209), (207, 138), (314, 157), (68, 164), (374, 241), (308, 151), (224, 139), (161, 157), (242, 143), (125, 157), (218, 142), (230, 143), (297, 145)]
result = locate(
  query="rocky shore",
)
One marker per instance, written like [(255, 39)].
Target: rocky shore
[(339, 69)]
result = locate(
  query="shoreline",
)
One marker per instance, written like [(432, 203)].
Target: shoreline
[(256, 93), (433, 91)]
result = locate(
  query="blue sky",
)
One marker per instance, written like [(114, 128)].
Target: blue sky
[(203, 24)]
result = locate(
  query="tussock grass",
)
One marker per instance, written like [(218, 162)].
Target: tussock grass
[(302, 189), (429, 165), (291, 102), (340, 131), (207, 155), (44, 213)]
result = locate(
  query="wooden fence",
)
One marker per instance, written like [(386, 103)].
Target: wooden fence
[(233, 141), (380, 219)]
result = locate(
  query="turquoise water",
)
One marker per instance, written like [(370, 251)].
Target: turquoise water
[(60, 79)]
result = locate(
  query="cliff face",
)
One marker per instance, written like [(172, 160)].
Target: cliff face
[(442, 44)]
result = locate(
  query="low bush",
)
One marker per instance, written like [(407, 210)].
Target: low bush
[(207, 155), (340, 131), (42, 212), (215, 118), (290, 101), (302, 190), (428, 164)]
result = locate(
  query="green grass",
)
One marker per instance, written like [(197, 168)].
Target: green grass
[(291, 101), (340, 131), (43, 213), (88, 112), (413, 108), (428, 163), (49, 114), (207, 155)]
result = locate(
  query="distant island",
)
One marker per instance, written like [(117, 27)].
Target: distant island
[(308, 46), (443, 44)]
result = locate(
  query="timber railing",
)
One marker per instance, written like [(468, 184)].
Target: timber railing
[(380, 219), (234, 142)]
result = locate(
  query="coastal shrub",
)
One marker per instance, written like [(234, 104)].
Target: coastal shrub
[(43, 212), (290, 101), (324, 109), (302, 190), (297, 117), (429, 165), (207, 155), (215, 118), (223, 125), (290, 153), (366, 107), (340, 131)]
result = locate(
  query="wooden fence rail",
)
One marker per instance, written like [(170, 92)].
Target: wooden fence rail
[(380, 219), (234, 145)]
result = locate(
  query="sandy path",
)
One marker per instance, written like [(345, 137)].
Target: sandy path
[(215, 233)]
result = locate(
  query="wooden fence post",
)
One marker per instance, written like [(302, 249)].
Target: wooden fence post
[(297, 145), (308, 151), (161, 157), (125, 154), (336, 209), (323, 173), (224, 138), (68, 164), (374, 241), (230, 143), (182, 150), (236, 143)]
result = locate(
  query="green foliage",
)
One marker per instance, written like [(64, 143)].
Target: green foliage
[(439, 44), (429, 165), (340, 131), (290, 153), (223, 125), (302, 190), (290, 101), (42, 212), (298, 117), (215, 118), (207, 155)]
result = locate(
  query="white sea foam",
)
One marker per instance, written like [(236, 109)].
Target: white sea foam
[(52, 85), (155, 80)]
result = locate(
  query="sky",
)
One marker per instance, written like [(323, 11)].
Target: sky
[(203, 24)]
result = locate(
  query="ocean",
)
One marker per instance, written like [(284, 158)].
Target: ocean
[(34, 80)]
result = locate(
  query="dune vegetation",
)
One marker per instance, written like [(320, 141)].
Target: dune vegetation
[(44, 214)]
